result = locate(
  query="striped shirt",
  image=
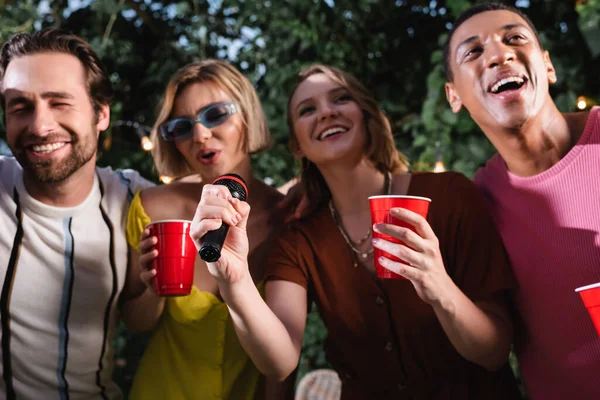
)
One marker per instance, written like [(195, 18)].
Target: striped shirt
[(62, 270)]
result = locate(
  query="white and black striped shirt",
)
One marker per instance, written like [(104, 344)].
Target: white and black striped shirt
[(62, 270)]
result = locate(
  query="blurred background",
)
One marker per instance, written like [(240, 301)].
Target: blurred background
[(394, 46)]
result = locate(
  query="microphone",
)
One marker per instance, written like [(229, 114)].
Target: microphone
[(212, 242)]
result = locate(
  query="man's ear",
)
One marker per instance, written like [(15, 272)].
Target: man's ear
[(103, 118), (453, 97), (550, 68)]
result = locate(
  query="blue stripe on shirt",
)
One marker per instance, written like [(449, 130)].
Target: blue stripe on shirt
[(127, 182), (65, 305)]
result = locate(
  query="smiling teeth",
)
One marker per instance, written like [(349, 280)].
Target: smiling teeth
[(47, 148), (516, 79), (331, 131)]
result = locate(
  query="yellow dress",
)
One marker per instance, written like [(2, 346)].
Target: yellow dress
[(194, 352)]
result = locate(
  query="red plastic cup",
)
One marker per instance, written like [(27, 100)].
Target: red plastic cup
[(590, 295), (176, 257), (380, 213)]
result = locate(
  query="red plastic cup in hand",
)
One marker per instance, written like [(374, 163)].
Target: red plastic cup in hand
[(176, 257), (590, 295), (380, 213)]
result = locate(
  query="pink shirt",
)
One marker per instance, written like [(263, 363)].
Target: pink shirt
[(550, 225)]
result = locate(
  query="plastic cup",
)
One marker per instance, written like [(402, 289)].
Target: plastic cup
[(380, 213), (176, 257), (590, 295)]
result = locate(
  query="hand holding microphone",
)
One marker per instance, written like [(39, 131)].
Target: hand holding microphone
[(219, 227), (212, 241)]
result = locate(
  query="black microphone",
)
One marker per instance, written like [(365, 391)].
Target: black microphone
[(212, 242)]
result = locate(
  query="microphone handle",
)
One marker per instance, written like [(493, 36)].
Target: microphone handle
[(212, 242)]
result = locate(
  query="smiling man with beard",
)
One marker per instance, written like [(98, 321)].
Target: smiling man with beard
[(543, 188), (63, 254), (51, 170)]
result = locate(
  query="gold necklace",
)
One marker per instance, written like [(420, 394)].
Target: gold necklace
[(338, 222)]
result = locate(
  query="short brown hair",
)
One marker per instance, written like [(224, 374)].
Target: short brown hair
[(56, 41), (256, 138), (381, 149)]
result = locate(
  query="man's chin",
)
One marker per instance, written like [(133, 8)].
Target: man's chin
[(47, 171), (511, 117), (48, 175)]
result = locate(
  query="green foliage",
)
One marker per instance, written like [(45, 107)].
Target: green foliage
[(589, 11), (589, 23), (19, 18), (392, 46)]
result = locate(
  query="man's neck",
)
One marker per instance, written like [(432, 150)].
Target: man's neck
[(68, 193), (540, 143)]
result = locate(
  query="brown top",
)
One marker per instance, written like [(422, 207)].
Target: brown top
[(383, 340)]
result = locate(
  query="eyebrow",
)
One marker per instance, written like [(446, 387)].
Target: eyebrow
[(471, 39), (57, 95), (45, 95), (17, 100), (463, 44), (336, 89), (515, 25)]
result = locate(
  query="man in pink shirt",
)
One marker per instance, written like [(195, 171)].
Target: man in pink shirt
[(543, 188)]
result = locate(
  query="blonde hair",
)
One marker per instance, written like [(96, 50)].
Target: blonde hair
[(381, 149), (167, 159)]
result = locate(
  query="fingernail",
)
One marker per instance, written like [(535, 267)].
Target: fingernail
[(375, 240), (381, 260), (376, 228), (396, 211)]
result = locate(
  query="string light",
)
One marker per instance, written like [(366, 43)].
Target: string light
[(439, 163), (166, 179), (439, 166), (107, 143), (146, 143), (141, 132), (584, 102)]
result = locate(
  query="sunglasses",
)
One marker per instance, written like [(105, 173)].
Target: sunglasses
[(211, 116)]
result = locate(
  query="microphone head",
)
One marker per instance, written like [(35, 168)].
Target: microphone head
[(235, 184)]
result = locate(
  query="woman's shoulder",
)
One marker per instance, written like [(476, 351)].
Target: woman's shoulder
[(268, 206), (439, 183), (450, 191), (172, 200), (272, 196), (448, 177), (313, 225)]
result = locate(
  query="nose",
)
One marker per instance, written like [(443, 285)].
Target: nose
[(201, 133), (499, 54), (327, 110), (42, 121)]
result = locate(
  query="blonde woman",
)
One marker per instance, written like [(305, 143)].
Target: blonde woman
[(209, 123), (442, 333)]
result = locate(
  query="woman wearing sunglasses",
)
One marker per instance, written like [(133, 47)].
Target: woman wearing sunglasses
[(209, 123), (444, 332)]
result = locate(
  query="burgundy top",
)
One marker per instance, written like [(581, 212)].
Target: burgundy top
[(383, 340)]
